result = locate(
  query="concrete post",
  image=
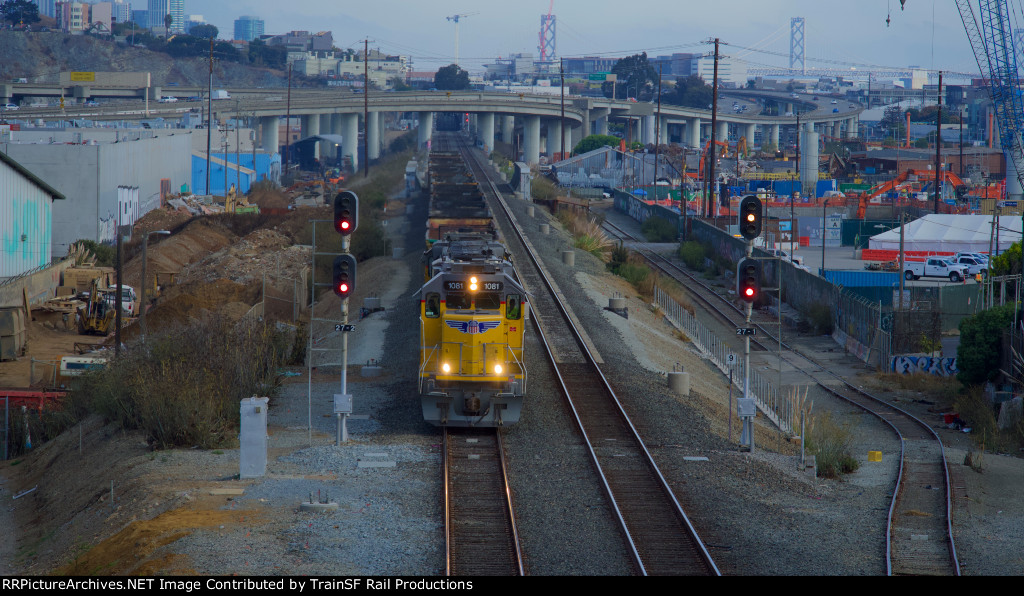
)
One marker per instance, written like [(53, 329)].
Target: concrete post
[(486, 121), (693, 132), (373, 136), (270, 135), (325, 128), (750, 133), (646, 129), (662, 130), (722, 134), (310, 127), (554, 136), (338, 128), (775, 135), (350, 139), (508, 127), (531, 141), (851, 128), (602, 125), (426, 124)]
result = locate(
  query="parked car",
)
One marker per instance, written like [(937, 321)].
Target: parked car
[(974, 255), (10, 106), (128, 299), (934, 267), (834, 102), (92, 103), (974, 266), (168, 99)]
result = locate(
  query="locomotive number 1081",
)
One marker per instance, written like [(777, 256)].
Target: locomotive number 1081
[(487, 286)]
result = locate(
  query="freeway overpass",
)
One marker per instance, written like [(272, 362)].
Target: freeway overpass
[(337, 111)]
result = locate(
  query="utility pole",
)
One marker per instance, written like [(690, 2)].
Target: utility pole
[(238, 149), (938, 148), (287, 125), (366, 108), (711, 144), (903, 264), (657, 134), (561, 73), (209, 119)]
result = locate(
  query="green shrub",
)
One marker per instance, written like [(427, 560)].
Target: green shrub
[(659, 229), (692, 253), (980, 350), (830, 443), (819, 317)]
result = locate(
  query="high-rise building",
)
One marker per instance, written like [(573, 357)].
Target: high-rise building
[(121, 11), (158, 9), (47, 8), (248, 28)]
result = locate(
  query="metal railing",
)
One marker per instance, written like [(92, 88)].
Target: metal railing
[(781, 411)]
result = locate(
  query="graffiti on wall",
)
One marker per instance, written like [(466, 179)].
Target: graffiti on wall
[(909, 365)]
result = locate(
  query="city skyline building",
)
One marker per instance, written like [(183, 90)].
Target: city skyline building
[(248, 28)]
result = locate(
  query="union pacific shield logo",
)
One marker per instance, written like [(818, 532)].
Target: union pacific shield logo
[(473, 327)]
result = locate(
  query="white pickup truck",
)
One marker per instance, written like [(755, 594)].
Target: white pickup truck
[(934, 267)]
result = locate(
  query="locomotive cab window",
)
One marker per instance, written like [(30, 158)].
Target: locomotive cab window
[(458, 301), (513, 307), (433, 306), (488, 301)]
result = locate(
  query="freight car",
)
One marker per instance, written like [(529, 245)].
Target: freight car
[(472, 308)]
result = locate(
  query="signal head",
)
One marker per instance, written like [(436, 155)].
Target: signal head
[(343, 280), (346, 212), (748, 279), (751, 212)]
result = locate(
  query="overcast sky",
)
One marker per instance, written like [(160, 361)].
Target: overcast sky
[(851, 34)]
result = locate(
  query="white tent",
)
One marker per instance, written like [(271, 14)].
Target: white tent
[(952, 233)]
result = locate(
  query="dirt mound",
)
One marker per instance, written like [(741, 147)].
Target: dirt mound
[(164, 218), (269, 198), (197, 300), (171, 254)]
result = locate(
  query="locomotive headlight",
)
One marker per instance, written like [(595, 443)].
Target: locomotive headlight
[(446, 368), (498, 369), (472, 284)]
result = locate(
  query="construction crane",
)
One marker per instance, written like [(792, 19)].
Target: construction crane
[(990, 30), (455, 19)]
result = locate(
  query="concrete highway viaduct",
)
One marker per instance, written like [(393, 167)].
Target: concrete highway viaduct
[(492, 115)]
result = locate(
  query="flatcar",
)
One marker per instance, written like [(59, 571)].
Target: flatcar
[(472, 310)]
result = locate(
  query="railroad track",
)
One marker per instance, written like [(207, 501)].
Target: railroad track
[(658, 533), (919, 531), (480, 527)]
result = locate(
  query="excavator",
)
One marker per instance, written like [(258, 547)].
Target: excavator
[(923, 176), (96, 316)]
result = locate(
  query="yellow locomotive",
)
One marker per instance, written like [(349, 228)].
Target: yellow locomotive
[(472, 319)]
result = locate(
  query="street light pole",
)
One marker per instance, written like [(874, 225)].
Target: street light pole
[(142, 295), (824, 230)]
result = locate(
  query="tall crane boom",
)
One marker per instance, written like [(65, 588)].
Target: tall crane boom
[(455, 19), (991, 33)]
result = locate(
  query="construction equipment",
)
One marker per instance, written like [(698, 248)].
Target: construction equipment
[(96, 316), (923, 176)]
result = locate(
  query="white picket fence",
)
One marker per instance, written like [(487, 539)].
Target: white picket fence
[(780, 410)]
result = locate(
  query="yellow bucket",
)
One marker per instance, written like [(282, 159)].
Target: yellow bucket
[(874, 456)]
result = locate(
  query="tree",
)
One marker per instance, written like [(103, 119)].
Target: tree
[(399, 84), (451, 78), (591, 142), (635, 78), (20, 11), (260, 54), (980, 350), (204, 31), (1008, 263), (690, 92), (168, 21)]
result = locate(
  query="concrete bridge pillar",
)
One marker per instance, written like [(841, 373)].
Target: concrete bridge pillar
[(508, 127), (693, 132), (350, 139), (602, 125), (486, 122), (751, 130), (851, 128), (310, 127), (531, 140), (337, 128), (325, 128), (775, 135), (789, 108), (373, 135), (662, 130), (722, 134), (270, 135), (646, 129), (423, 133), (553, 136)]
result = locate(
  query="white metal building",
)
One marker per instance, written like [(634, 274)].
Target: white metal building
[(26, 211)]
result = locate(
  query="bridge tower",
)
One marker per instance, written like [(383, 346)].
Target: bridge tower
[(796, 44), (547, 38)]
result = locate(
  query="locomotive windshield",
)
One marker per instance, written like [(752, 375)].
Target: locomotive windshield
[(458, 301), (488, 301)]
